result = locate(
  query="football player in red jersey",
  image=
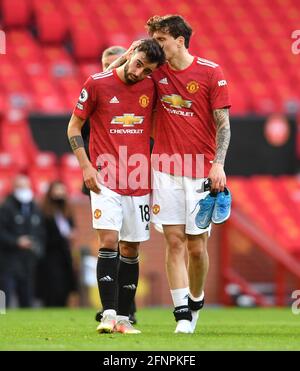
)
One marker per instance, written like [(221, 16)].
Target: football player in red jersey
[(109, 55), (192, 127), (119, 105)]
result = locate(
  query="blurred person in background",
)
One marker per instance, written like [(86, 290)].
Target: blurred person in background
[(22, 237), (56, 276), (109, 55)]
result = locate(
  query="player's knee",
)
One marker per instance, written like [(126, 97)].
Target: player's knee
[(175, 243), (197, 252), (109, 242), (130, 249)]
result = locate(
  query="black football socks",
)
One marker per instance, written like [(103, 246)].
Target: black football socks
[(107, 273), (128, 281)]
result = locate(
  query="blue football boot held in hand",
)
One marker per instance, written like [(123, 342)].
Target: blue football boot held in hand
[(222, 207), (206, 208), (215, 207)]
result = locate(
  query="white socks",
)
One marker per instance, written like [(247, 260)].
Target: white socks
[(110, 312), (197, 299), (180, 297)]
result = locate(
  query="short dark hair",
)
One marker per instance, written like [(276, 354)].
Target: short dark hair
[(153, 51), (175, 25)]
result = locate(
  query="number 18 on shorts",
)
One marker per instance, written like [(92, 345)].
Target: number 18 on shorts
[(129, 215)]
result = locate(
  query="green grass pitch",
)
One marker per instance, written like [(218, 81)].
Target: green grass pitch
[(218, 329)]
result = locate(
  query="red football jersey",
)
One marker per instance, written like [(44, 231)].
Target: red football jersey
[(120, 121), (185, 125)]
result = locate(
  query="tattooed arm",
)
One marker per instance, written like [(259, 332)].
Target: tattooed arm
[(221, 117), (217, 174), (117, 63)]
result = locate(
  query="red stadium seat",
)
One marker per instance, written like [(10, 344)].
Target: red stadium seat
[(13, 85), (47, 96), (43, 171), (51, 24), (71, 174), (8, 171), (16, 13), (71, 89), (120, 38), (85, 41), (239, 102), (16, 140), (23, 46), (58, 62), (45, 160), (87, 69)]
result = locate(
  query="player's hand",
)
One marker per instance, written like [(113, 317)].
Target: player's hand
[(131, 49), (124, 57), (218, 177), (90, 177)]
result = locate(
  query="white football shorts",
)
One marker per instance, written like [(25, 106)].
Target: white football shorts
[(174, 200), (129, 215)]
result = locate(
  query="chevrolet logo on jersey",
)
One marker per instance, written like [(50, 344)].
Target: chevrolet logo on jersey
[(127, 120), (176, 101)]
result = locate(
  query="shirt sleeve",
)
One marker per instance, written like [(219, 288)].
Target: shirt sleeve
[(219, 94), (87, 101)]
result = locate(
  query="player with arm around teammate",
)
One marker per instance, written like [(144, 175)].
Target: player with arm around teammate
[(192, 120)]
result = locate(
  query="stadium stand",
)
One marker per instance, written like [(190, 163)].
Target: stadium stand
[(260, 251), (264, 83), (7, 171), (258, 198), (16, 140), (43, 171), (16, 13), (71, 174)]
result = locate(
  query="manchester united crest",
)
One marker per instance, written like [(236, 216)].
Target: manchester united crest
[(97, 214), (155, 209), (144, 101), (192, 87)]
